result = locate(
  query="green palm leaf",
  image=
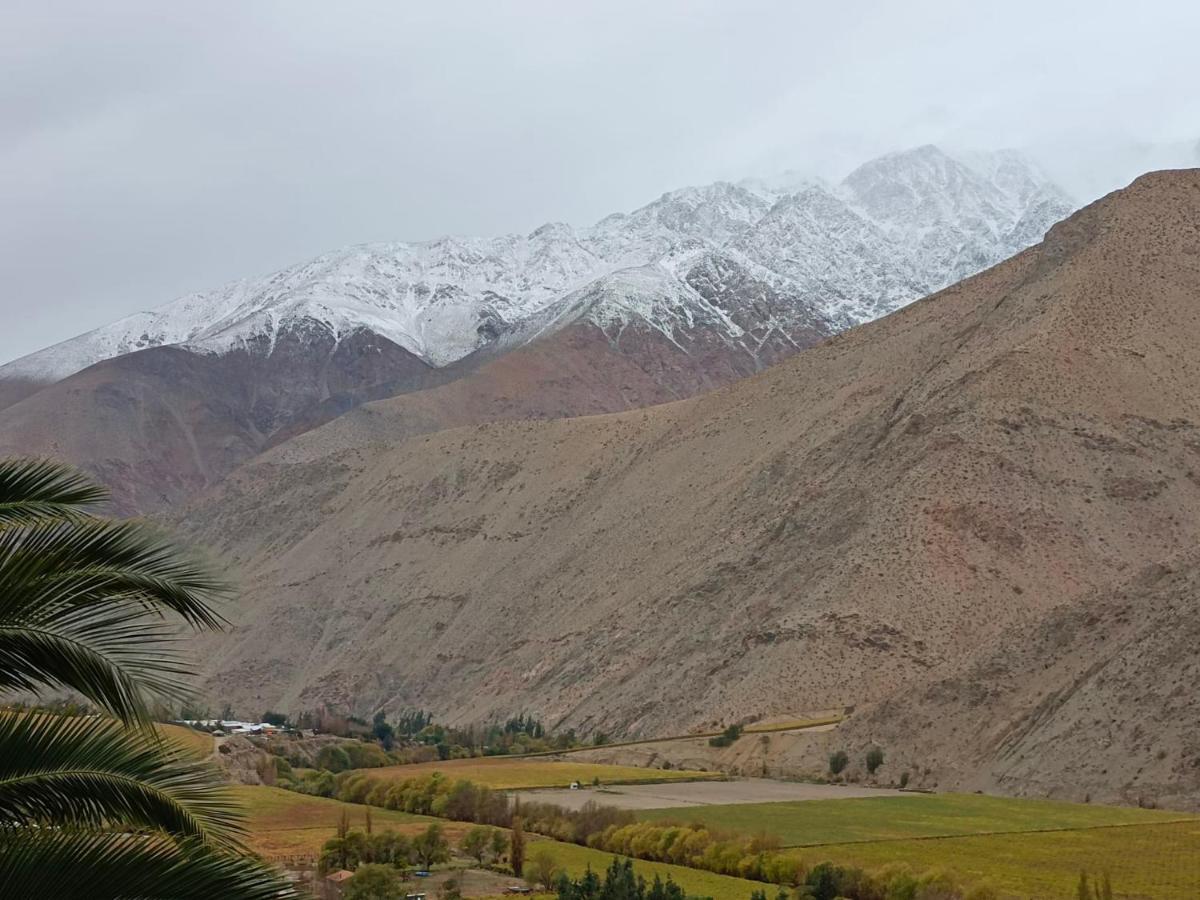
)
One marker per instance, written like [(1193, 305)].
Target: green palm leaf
[(36, 488), (90, 772), (66, 865), (83, 600), (88, 807)]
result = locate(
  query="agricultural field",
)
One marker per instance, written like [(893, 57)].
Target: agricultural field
[(814, 822), (284, 823), (735, 791), (505, 772), (575, 860), (1159, 861)]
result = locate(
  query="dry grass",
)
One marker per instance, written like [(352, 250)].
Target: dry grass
[(197, 741), (284, 823), (504, 772)]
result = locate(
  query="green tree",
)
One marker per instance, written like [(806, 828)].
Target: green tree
[(516, 847), (477, 842), (102, 807), (373, 881), (430, 846), (499, 843), (384, 733)]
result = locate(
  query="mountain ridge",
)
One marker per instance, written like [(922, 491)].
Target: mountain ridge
[(868, 523), (445, 298)]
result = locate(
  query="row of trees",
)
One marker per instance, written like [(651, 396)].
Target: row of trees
[(696, 846), (352, 848), (619, 884), (103, 807)]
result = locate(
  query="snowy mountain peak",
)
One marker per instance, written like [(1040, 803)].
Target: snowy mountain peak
[(897, 227)]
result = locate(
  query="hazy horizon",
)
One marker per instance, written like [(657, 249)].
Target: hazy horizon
[(152, 152)]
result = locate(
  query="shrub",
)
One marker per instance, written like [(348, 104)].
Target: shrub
[(333, 759), (838, 761), (874, 759), (543, 869), (365, 756), (727, 737)]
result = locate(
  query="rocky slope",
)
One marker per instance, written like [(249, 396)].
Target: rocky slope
[(866, 524)]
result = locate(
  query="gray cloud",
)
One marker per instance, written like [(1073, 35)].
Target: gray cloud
[(150, 149)]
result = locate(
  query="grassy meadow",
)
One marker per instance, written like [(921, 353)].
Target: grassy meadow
[(508, 773), (812, 822)]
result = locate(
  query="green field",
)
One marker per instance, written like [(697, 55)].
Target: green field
[(576, 859), (506, 772), (1144, 861), (811, 822)]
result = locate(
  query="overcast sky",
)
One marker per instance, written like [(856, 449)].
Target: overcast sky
[(152, 149)]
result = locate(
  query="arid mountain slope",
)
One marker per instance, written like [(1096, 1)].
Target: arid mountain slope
[(163, 423), (874, 515), (1095, 700)]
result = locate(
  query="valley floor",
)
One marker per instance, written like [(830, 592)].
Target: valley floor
[(1023, 848)]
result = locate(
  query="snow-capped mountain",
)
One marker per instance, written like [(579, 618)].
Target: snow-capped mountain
[(699, 288), (896, 228)]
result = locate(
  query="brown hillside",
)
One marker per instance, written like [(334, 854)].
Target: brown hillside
[(873, 516), (161, 424)]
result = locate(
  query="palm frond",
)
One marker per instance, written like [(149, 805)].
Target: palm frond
[(87, 772), (77, 562), (117, 665), (39, 488), (82, 606), (70, 865)]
